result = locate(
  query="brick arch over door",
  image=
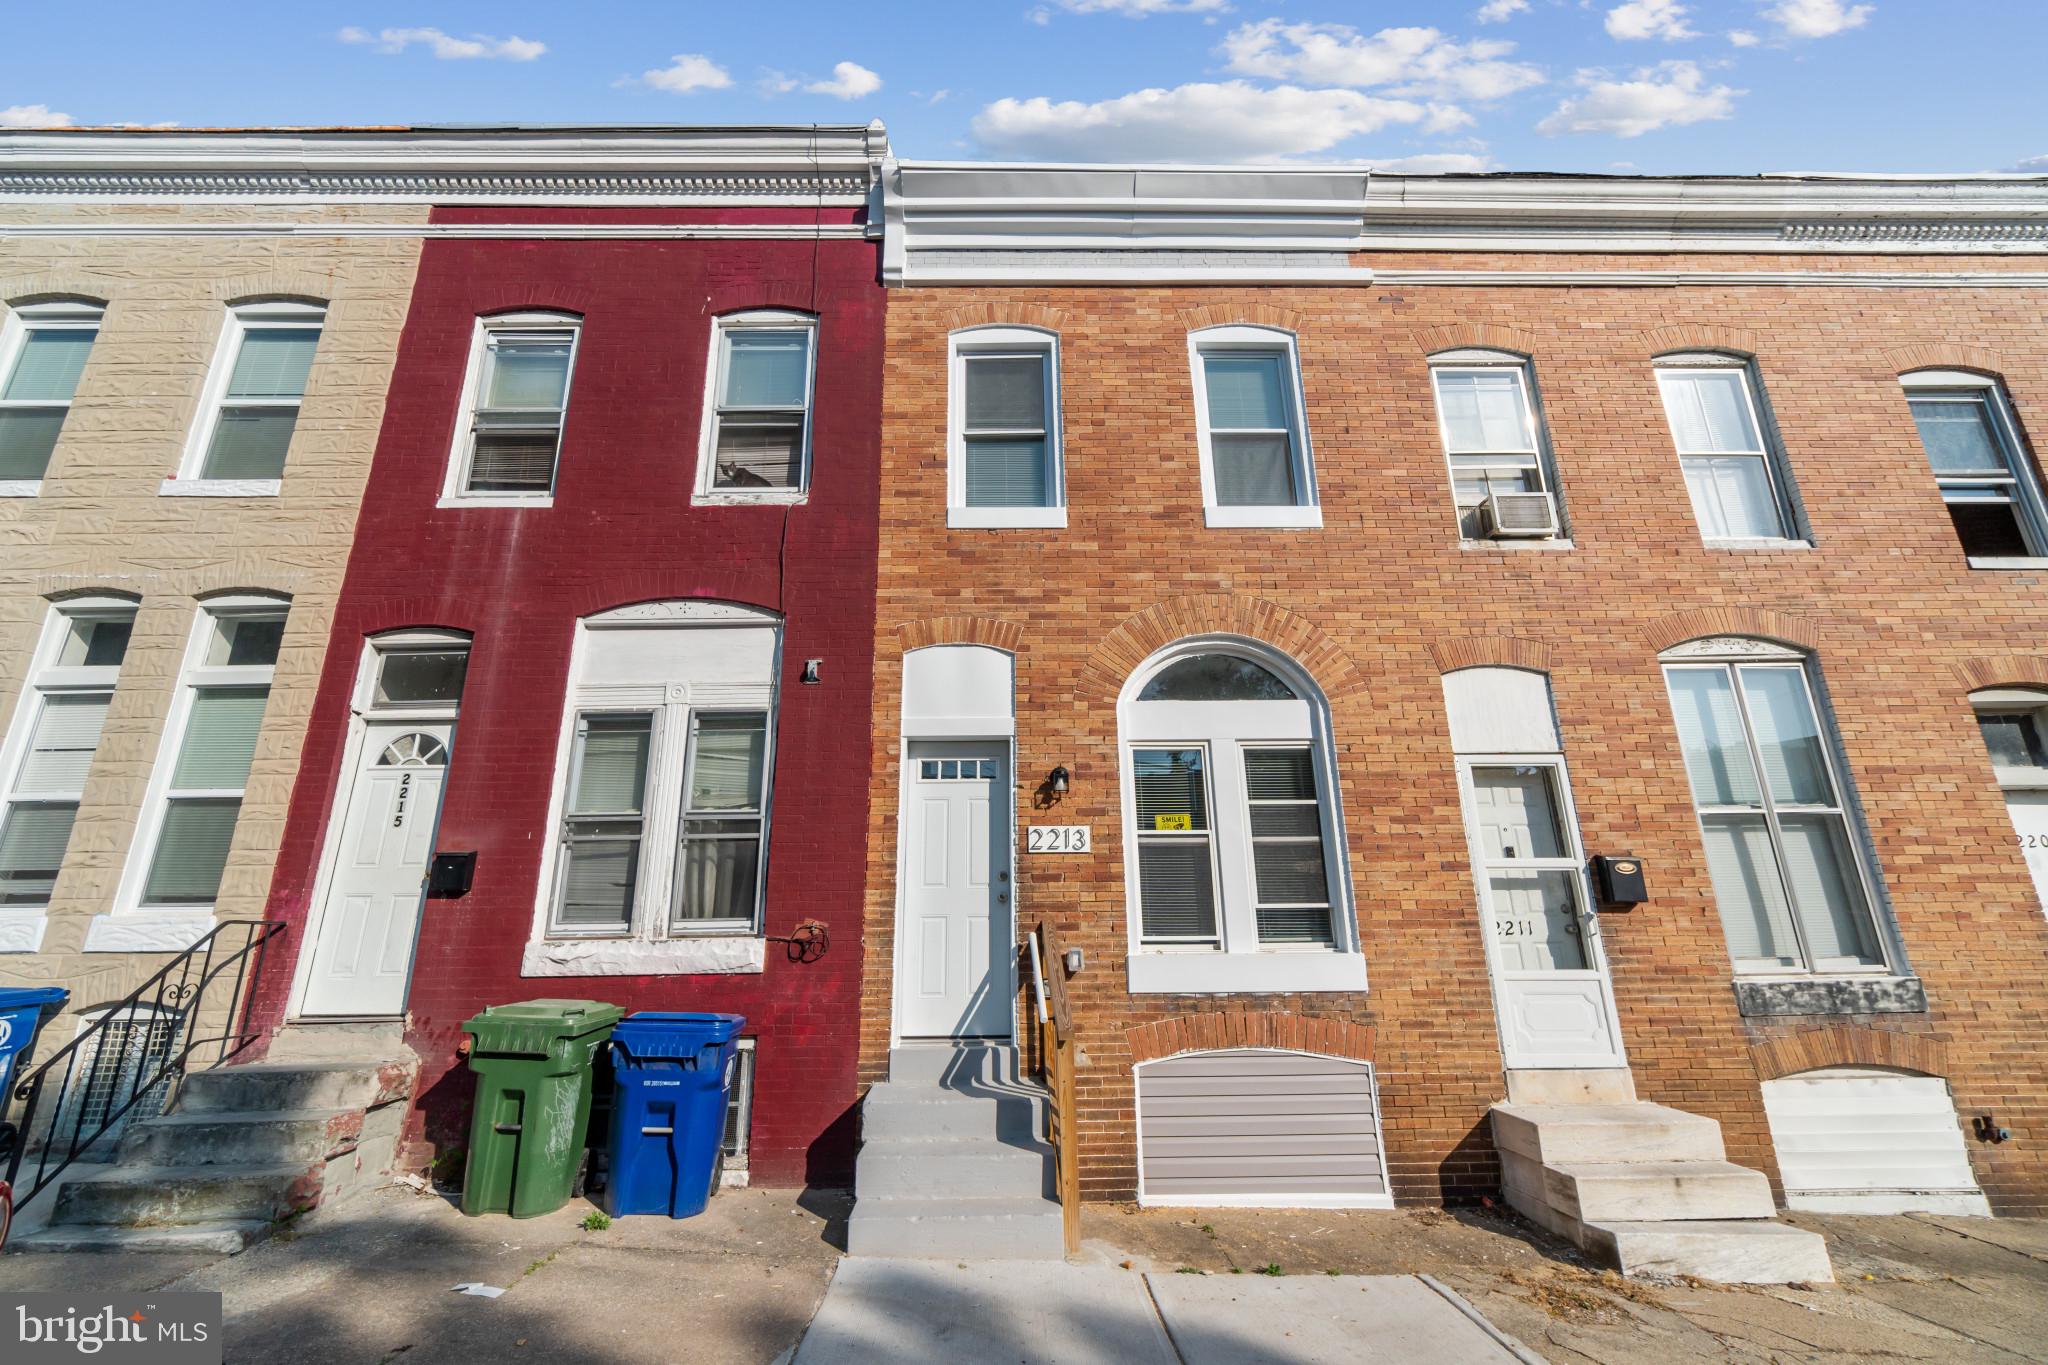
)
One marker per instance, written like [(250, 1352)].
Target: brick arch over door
[(1219, 1030), (1489, 651), (1680, 626), (1847, 1045), (2002, 670), (1007, 636), (1124, 649)]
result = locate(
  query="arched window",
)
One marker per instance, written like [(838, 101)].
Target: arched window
[(43, 348), (1501, 476), (251, 405), (1234, 843), (1252, 427), (515, 402), (2014, 723), (1003, 433), (1734, 465), (1974, 446), (757, 413)]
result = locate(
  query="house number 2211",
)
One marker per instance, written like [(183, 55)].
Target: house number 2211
[(1056, 839)]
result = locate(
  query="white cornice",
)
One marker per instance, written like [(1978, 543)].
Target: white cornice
[(708, 166), (754, 232)]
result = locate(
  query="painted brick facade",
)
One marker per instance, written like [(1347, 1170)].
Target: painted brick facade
[(1382, 600), (622, 530)]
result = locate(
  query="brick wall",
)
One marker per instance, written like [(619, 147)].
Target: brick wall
[(621, 531), (1381, 600)]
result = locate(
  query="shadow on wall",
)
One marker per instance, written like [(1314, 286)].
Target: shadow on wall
[(828, 1161), (1470, 1172)]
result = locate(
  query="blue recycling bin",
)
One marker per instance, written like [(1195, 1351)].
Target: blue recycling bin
[(671, 1075), (23, 1012)]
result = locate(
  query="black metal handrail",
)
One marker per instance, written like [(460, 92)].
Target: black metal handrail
[(94, 1069)]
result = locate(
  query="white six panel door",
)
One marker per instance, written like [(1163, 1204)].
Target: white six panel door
[(956, 878), (362, 957)]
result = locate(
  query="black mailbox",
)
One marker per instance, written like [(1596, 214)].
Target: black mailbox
[(451, 874), (1619, 880)]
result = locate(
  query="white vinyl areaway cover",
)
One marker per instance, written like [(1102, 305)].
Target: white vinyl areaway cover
[(1869, 1140)]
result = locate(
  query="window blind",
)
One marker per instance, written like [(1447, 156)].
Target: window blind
[(1177, 894), (250, 443), (66, 735), (49, 364), (1744, 871), (766, 369), (191, 851), (1252, 470), (1825, 891), (1291, 877), (27, 438), (273, 362), (32, 844), (612, 775), (1710, 733), (719, 862), (515, 459), (528, 372), (759, 451), (220, 738), (1006, 393), (1787, 737), (726, 771), (1245, 391), (1005, 473)]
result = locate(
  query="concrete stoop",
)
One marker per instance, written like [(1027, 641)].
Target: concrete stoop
[(951, 1163), (243, 1148), (1649, 1190)]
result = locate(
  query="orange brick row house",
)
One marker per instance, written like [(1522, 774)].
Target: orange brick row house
[(1362, 570)]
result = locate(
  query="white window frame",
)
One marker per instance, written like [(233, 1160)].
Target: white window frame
[(239, 320), (1732, 652), (1012, 341), (1792, 531), (2029, 507), (1307, 510), (21, 926), (1237, 961), (2011, 701), (64, 315), (454, 492), (746, 1058), (650, 944), (1537, 455), (195, 674), (765, 319)]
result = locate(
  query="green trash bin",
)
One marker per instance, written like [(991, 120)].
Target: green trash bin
[(532, 1064)]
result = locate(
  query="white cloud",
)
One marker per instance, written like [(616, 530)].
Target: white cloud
[(1226, 121), (850, 81), (1817, 18), (1500, 11), (478, 47), (1742, 37), (687, 71), (1668, 94), (2035, 164), (33, 116), (1141, 9), (1663, 19), (773, 82), (1409, 61), (1431, 163)]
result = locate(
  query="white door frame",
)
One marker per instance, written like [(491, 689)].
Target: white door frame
[(899, 956), (1590, 938), (363, 712)]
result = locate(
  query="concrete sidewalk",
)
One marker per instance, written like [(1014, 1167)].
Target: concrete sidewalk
[(882, 1312)]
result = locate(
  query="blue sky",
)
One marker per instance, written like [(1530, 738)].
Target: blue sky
[(1658, 86)]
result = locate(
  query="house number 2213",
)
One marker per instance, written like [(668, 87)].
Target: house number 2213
[(1056, 839)]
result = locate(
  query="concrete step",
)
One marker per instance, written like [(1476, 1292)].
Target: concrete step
[(271, 1087), (226, 1238), (224, 1138), (145, 1196), (956, 1229), (1601, 1085), (894, 1110), (1730, 1252), (963, 1168), (953, 1066), (1553, 1134), (1657, 1191)]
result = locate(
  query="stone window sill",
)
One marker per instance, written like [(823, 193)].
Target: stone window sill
[(1006, 518), (1519, 543), (21, 488), (147, 931), (21, 931), (1264, 518), (219, 488), (496, 500), (1757, 543), (1244, 973), (2007, 562), (1810, 995), (720, 955)]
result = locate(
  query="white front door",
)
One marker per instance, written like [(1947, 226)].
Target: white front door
[(1550, 985), (362, 951), (956, 930), (2029, 811)]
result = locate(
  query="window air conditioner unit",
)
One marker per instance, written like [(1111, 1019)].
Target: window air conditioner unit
[(1517, 515)]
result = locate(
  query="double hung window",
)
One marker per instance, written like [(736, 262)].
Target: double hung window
[(1784, 852), (1486, 411), (1973, 446), (203, 771), (1252, 429), (1735, 475), (55, 734), (252, 399), (43, 348), (517, 397), (1005, 442), (2014, 724), (758, 420)]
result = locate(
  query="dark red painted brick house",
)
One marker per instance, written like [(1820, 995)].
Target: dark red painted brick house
[(610, 610)]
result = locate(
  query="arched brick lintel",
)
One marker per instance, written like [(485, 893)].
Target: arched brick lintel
[(1485, 336), (1218, 1030), (1489, 651), (961, 630), (1240, 315), (1847, 1045), (1943, 355), (2003, 670), (1138, 638), (1002, 313), (1680, 626), (1696, 337)]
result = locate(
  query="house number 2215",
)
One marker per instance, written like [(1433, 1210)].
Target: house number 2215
[(1056, 839)]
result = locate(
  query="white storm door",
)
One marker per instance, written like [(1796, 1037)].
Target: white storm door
[(362, 955), (956, 954), (2029, 810), (1550, 984)]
